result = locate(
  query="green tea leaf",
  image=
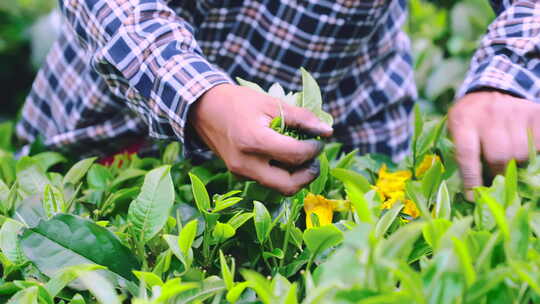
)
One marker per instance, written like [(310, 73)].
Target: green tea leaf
[(249, 84), (317, 186), (443, 206), (222, 232), (497, 211), (359, 202), (202, 199), (418, 126), (30, 177), (208, 287), (511, 183), (77, 299), (186, 236), (171, 153), (235, 292), (386, 220), (276, 253), (399, 244), (226, 273), (172, 241), (520, 233), (148, 213), (9, 242), (526, 273), (6, 131), (239, 219), (465, 260), (98, 177), (318, 239), (226, 203), (68, 240), (259, 284), (432, 179), (63, 277), (262, 221), (458, 229), (346, 161), (149, 278), (434, 230), (27, 296), (312, 99), (172, 288), (276, 91), (48, 159), (350, 177), (100, 287), (77, 172), (53, 201)]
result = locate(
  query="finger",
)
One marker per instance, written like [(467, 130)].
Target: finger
[(287, 183), (282, 148), (535, 127), (517, 129), (468, 156), (497, 147), (305, 120)]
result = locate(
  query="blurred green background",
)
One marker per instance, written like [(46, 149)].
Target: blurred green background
[(444, 34)]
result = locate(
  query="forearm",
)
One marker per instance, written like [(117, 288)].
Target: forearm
[(148, 56)]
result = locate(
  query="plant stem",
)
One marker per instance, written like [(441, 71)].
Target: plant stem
[(206, 245), (265, 261), (213, 254), (287, 232), (310, 262), (274, 262)]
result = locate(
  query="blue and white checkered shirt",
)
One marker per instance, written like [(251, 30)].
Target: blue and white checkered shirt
[(126, 69)]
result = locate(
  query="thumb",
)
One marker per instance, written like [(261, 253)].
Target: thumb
[(305, 120), (468, 157)]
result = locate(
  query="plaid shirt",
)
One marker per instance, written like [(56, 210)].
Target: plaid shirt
[(125, 69)]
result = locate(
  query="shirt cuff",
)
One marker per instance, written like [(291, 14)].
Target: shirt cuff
[(501, 74), (190, 76)]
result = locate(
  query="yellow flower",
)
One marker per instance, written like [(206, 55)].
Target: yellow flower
[(319, 205), (411, 209), (390, 184), (391, 187), (397, 196), (426, 164)]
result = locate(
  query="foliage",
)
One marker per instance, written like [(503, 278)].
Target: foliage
[(310, 98), (444, 38), (151, 230)]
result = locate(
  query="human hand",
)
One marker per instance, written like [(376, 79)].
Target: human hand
[(234, 122), (491, 125)]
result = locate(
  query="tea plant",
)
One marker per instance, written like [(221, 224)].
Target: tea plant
[(161, 230)]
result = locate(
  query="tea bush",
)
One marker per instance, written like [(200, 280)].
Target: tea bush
[(161, 230)]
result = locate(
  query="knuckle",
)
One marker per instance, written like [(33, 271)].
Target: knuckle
[(492, 109), (235, 166), (297, 157), (465, 153), (456, 117), (246, 143)]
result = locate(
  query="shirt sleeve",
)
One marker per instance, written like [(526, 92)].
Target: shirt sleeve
[(508, 58), (149, 58)]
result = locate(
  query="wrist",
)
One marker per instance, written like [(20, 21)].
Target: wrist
[(206, 100)]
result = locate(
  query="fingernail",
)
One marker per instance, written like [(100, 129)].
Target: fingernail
[(315, 167), (319, 145), (326, 128)]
